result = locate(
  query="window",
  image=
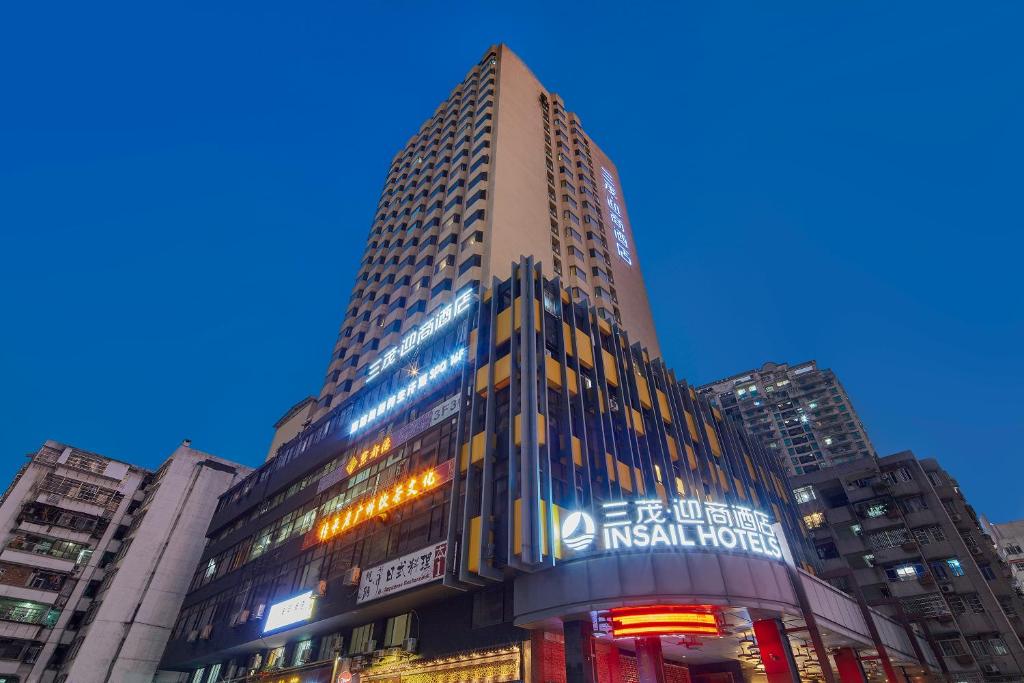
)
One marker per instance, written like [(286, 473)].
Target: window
[(889, 538), (214, 674), (876, 510), (804, 494), (929, 534), (361, 637), (302, 653), (951, 647), (905, 572), (814, 520), (397, 630), (986, 571), (954, 566)]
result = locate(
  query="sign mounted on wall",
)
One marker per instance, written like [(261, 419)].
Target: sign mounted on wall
[(408, 571), (611, 198), (290, 611), (384, 500), (419, 383), (684, 523), (417, 335)]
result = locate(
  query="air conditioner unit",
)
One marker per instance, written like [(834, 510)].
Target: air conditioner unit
[(955, 517), (409, 645), (205, 633), (352, 576), (371, 646), (192, 635), (976, 549), (260, 609), (989, 669), (947, 588)]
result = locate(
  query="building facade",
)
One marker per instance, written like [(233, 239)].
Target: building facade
[(897, 533), (1009, 542), (77, 606), (501, 170), (801, 412), (526, 496)]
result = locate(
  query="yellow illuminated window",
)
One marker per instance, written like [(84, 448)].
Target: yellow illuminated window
[(814, 520)]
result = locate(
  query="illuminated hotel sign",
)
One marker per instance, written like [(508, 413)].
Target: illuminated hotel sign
[(420, 382), (395, 496), (664, 620), (416, 336), (290, 611), (611, 198), (686, 523)]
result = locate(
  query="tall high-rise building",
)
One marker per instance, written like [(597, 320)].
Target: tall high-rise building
[(75, 605), (501, 170), (503, 483), (800, 412)]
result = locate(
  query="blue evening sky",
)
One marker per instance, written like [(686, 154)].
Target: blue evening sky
[(185, 189)]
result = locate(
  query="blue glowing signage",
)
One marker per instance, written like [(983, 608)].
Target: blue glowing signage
[(417, 335), (684, 523), (611, 198), (420, 382)]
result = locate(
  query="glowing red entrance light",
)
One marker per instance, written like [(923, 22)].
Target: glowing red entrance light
[(665, 620)]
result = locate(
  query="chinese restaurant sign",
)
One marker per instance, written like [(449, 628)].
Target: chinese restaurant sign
[(408, 571), (416, 336), (393, 496), (685, 523)]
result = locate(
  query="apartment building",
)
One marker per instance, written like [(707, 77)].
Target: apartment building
[(75, 605), (800, 412), (897, 533), (1009, 541)]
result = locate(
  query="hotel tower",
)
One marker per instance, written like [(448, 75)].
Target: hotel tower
[(501, 170), (501, 480)]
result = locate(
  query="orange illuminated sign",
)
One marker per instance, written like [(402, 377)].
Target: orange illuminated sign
[(664, 620), (396, 494), (368, 455)]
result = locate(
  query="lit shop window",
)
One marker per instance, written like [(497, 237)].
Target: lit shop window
[(814, 520)]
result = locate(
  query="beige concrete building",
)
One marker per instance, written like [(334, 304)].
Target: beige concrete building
[(501, 170), (75, 605), (295, 419)]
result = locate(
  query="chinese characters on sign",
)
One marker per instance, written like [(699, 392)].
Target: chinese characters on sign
[(419, 383), (414, 569), (396, 494), (416, 336), (611, 198), (441, 411), (685, 523), (368, 455), (290, 611)]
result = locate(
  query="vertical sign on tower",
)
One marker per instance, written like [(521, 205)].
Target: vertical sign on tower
[(611, 198)]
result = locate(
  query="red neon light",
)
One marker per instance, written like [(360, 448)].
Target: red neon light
[(665, 620)]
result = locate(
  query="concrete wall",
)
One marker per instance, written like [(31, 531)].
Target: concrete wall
[(127, 637)]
